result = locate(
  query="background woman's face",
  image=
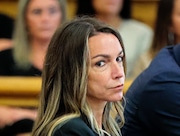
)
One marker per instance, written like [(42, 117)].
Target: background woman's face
[(42, 18), (176, 18), (107, 7)]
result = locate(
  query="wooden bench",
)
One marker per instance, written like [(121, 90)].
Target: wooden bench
[(24, 91), (20, 91)]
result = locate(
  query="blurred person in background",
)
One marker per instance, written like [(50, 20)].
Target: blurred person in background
[(34, 28), (166, 32), (35, 25), (136, 36)]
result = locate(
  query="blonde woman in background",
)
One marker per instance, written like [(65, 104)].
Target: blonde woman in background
[(83, 79), (36, 23), (34, 28)]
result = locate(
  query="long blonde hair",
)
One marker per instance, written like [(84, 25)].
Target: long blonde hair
[(20, 37), (65, 76)]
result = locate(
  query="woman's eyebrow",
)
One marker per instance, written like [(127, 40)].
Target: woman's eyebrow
[(101, 55), (121, 52), (105, 55)]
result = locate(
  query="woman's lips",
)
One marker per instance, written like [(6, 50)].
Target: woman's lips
[(118, 87)]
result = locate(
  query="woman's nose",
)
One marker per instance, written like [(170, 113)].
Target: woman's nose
[(117, 70), (45, 16)]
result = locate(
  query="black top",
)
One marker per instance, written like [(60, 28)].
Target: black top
[(74, 127), (78, 126), (8, 67)]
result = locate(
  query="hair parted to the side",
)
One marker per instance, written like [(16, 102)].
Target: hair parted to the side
[(21, 38), (65, 78), (162, 26)]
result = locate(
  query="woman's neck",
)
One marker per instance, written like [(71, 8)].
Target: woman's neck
[(114, 21), (97, 109), (38, 51)]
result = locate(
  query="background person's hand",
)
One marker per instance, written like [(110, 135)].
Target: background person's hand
[(9, 115)]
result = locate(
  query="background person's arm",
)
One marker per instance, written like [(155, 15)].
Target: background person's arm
[(9, 115)]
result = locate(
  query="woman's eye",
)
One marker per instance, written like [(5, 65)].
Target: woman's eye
[(100, 63), (53, 10), (119, 59), (37, 11)]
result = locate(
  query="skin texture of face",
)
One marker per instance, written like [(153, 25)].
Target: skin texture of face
[(43, 17), (176, 20), (106, 72), (107, 7)]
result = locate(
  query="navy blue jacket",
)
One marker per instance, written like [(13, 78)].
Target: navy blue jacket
[(153, 100)]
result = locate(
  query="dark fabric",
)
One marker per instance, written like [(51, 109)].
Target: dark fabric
[(75, 127), (6, 26), (8, 67), (153, 100), (21, 126)]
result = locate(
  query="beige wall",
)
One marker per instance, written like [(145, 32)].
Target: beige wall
[(10, 7), (145, 10)]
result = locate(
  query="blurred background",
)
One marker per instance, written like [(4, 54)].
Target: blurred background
[(142, 10)]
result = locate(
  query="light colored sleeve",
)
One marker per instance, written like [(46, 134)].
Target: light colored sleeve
[(141, 64)]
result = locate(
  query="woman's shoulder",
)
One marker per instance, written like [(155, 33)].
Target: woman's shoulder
[(9, 67), (6, 57), (75, 126)]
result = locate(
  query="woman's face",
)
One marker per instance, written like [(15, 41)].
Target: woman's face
[(106, 72), (176, 19), (107, 7), (43, 17)]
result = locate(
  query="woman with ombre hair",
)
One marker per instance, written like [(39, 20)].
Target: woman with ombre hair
[(82, 81)]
